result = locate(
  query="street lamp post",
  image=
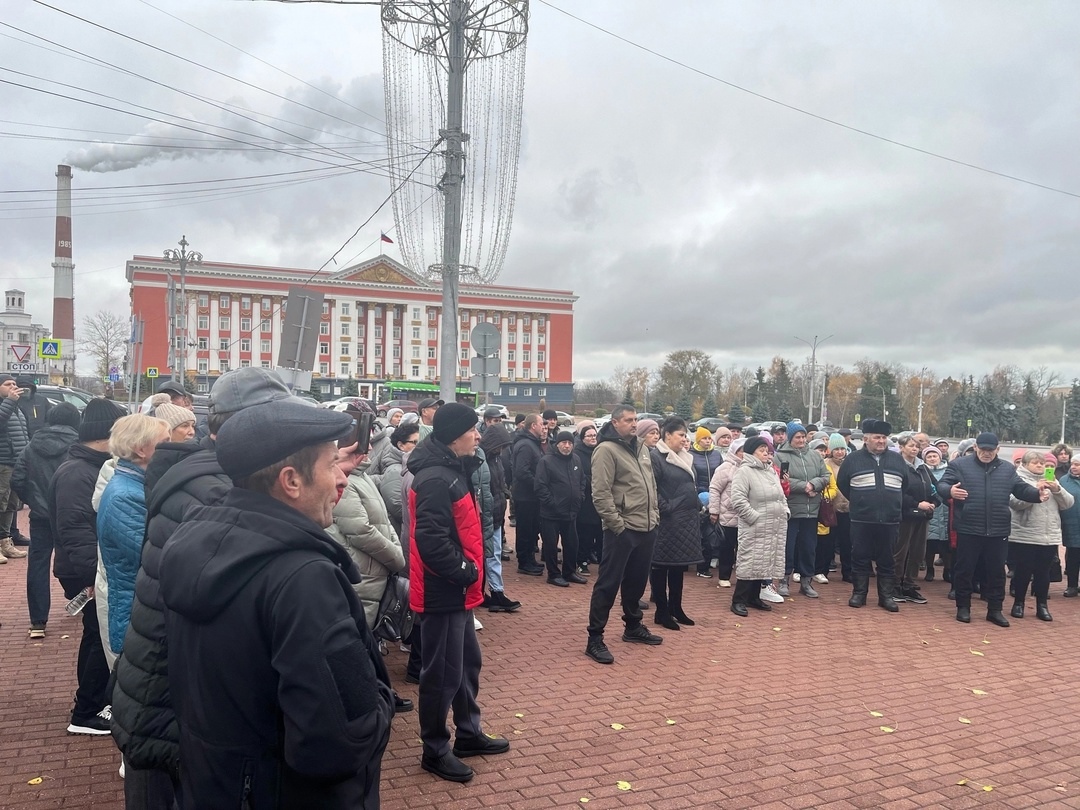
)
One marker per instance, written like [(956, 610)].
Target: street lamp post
[(813, 373), (181, 257), (884, 413), (922, 375)]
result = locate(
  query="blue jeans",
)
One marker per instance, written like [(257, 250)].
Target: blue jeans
[(38, 560), (493, 565), (801, 546)]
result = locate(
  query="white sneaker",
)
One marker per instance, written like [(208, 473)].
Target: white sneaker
[(476, 624), (724, 583), (405, 648), (769, 594), (715, 562), (821, 579), (796, 577), (121, 767)]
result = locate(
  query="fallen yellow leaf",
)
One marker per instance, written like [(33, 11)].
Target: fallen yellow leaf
[(962, 782), (887, 729), (976, 652), (37, 780), (519, 714), (623, 786), (977, 692), (988, 788), (778, 629), (65, 636), (876, 714), (671, 722), (517, 731), (584, 800), (618, 726), (965, 721), (737, 624)]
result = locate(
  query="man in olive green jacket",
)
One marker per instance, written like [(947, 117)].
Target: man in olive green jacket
[(624, 493)]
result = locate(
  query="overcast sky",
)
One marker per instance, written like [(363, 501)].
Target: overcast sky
[(683, 212)]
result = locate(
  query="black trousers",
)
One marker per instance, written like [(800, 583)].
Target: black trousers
[(710, 543), (590, 538), (449, 679), (625, 568), (149, 789), (1072, 567), (667, 589), (527, 532), (1031, 563), (729, 547), (841, 534), (550, 532), (825, 553), (801, 549), (91, 671), (872, 542), (971, 550)]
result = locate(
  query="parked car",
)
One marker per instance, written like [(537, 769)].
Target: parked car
[(565, 419), (502, 409), (342, 403), (710, 423), (407, 405), (657, 417), (62, 393)]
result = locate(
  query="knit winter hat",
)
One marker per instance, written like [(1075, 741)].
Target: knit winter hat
[(5, 377), (794, 428), (965, 445), (63, 413), (98, 418), (701, 433), (452, 421), (644, 426), (753, 443), (738, 444), (836, 442), (930, 449), (174, 415), (564, 436)]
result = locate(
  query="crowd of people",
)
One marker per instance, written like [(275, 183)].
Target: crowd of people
[(280, 539)]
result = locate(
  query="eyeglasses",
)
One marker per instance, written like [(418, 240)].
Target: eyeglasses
[(410, 441)]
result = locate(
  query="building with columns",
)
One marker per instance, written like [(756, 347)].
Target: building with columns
[(19, 339), (380, 325)]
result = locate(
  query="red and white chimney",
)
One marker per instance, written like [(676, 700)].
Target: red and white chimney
[(63, 320)]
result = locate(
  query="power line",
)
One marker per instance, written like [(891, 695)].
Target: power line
[(801, 110)]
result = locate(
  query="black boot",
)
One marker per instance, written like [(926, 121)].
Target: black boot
[(1042, 612), (858, 592), (963, 613), (885, 589), (658, 578), (1017, 611), (741, 597), (995, 616), (675, 591), (753, 598)]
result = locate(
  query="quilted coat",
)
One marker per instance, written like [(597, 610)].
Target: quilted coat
[(678, 537), (1070, 518), (121, 526), (1038, 524), (362, 525), (720, 491), (758, 499)]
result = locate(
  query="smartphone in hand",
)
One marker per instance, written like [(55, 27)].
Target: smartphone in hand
[(784, 467)]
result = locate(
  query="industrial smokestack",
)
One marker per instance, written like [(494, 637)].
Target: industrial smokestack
[(63, 320)]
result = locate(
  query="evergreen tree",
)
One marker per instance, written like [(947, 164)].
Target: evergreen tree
[(684, 408), (759, 411), (1072, 415), (708, 408), (628, 398), (350, 388), (1027, 413), (784, 414), (960, 412), (736, 414)]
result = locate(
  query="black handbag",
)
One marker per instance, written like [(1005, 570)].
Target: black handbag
[(1055, 569)]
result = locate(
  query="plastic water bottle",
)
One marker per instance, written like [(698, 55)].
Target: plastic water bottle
[(75, 606)]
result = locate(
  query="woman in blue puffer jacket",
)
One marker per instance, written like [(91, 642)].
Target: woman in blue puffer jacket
[(121, 519), (1070, 527)]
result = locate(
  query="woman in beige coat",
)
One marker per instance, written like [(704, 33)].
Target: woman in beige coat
[(1035, 535), (758, 499)]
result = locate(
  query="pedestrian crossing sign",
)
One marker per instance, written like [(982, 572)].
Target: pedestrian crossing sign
[(48, 348), (151, 371)]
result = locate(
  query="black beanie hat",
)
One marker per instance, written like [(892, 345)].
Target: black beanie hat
[(752, 444), (564, 436), (98, 418), (63, 413), (451, 421)]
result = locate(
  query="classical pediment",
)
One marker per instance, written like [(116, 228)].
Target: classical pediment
[(380, 270)]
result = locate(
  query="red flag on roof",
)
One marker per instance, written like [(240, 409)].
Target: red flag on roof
[(385, 238)]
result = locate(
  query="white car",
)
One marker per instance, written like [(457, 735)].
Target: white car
[(502, 409)]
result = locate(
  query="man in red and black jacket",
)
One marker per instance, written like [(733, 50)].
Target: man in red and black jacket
[(445, 561)]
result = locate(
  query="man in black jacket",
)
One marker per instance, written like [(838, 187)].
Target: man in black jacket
[(872, 479), (527, 452), (560, 489), (74, 530), (180, 477), (14, 436), (980, 486), (275, 678)]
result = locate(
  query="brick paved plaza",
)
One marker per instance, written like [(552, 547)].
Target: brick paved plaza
[(771, 711)]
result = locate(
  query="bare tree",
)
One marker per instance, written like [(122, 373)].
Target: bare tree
[(104, 335)]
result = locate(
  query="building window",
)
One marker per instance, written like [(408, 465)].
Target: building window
[(416, 352), (540, 320), (526, 338), (431, 352), (245, 303), (202, 388), (432, 315), (223, 365), (324, 348), (223, 344), (464, 354), (511, 376), (204, 300), (496, 318), (416, 313), (266, 364), (539, 357), (378, 350), (345, 349), (416, 333), (264, 346), (432, 335), (245, 364), (360, 330), (324, 328), (378, 312), (397, 350), (526, 392), (245, 344), (359, 349), (526, 321), (526, 356), (512, 390), (397, 333), (540, 338), (225, 323), (245, 324), (512, 337), (267, 304), (344, 308), (203, 365), (344, 369), (511, 319), (344, 329), (325, 307), (265, 325), (204, 344), (416, 371), (511, 355), (223, 302), (540, 377), (378, 369), (541, 392), (397, 369), (481, 318), (324, 368), (464, 316), (204, 321), (378, 333)]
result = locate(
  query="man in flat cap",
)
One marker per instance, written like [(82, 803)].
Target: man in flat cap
[(980, 486), (873, 480), (446, 559), (427, 410), (279, 691), (178, 395)]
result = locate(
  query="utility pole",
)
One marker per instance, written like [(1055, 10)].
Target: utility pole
[(179, 341), (1063, 401), (813, 373), (451, 188), (921, 375)]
